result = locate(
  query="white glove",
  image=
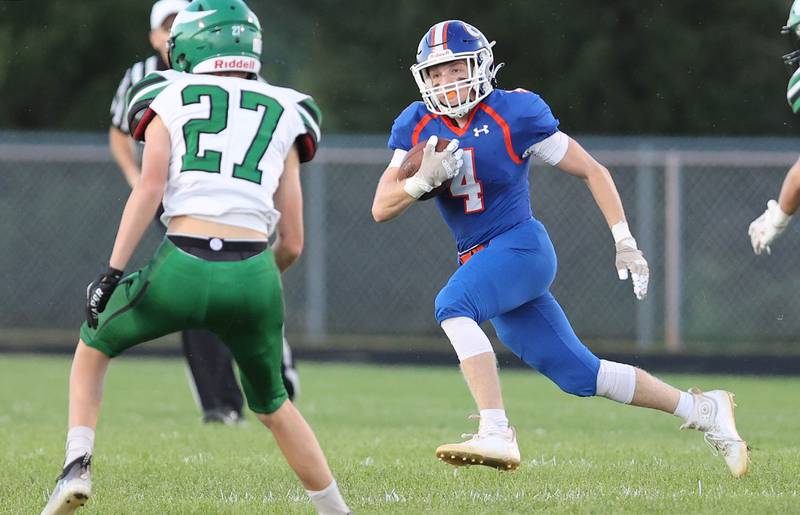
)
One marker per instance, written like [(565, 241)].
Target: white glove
[(629, 257), (767, 227), (436, 167)]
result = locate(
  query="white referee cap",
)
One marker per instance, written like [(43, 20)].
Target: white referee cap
[(163, 9)]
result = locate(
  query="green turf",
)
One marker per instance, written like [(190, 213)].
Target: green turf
[(379, 427)]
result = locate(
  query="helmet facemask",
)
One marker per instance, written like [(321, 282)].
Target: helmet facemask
[(450, 99)]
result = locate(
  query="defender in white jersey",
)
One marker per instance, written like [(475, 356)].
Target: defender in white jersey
[(210, 367), (240, 173), (223, 151)]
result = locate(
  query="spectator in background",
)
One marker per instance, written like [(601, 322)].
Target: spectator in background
[(210, 364)]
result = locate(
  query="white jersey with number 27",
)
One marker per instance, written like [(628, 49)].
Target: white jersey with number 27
[(229, 138)]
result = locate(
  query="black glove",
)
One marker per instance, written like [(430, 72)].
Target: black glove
[(98, 292)]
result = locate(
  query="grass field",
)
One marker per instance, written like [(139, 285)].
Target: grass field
[(379, 427)]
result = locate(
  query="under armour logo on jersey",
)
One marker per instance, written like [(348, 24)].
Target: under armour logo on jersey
[(477, 132)]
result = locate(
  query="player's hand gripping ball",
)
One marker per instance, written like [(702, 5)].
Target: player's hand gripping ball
[(413, 160)]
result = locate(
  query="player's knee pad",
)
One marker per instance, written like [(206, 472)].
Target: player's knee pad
[(616, 381), (466, 337)]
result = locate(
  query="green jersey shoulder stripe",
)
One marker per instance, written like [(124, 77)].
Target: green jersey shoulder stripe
[(311, 127), (148, 80), (136, 119), (793, 92), (148, 93), (312, 109), (312, 117)]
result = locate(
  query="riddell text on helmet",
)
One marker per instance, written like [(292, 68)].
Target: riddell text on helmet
[(238, 64)]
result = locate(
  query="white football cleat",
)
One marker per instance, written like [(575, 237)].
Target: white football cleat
[(713, 415), (496, 449), (73, 487)]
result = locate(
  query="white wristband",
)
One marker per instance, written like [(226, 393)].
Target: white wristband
[(416, 187), (776, 214), (620, 231)]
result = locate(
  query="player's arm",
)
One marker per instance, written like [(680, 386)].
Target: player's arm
[(581, 164), (122, 150), (578, 162), (764, 229), (391, 199), (288, 200), (139, 211), (119, 142), (789, 199), (146, 195), (394, 195)]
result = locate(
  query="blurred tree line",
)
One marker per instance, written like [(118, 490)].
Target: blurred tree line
[(617, 66)]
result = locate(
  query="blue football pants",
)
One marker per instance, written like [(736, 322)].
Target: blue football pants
[(508, 284)]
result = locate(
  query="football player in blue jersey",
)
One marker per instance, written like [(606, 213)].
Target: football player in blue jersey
[(507, 262)]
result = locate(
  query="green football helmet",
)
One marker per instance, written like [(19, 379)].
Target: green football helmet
[(792, 29), (215, 36)]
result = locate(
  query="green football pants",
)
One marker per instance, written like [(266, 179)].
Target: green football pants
[(240, 301)]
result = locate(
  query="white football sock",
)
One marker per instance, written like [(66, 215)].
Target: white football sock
[(80, 441), (685, 406), (329, 501), (493, 420)]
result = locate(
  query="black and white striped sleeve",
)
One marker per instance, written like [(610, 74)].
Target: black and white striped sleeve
[(133, 75), (118, 106)]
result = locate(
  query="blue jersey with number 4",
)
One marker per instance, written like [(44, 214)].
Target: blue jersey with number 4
[(491, 193)]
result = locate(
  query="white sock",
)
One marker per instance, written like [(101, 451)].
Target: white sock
[(328, 501), (493, 419), (685, 406), (80, 441)]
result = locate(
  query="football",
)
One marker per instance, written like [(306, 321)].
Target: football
[(413, 160)]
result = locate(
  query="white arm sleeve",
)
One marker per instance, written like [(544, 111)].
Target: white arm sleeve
[(397, 158), (551, 150)]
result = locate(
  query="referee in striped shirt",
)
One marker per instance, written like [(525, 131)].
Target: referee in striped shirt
[(210, 362)]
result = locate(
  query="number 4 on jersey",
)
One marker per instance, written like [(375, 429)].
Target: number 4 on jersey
[(467, 185)]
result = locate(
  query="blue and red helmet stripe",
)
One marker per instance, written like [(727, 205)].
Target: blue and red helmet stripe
[(454, 35)]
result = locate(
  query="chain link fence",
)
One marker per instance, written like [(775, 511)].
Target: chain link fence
[(689, 203)]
